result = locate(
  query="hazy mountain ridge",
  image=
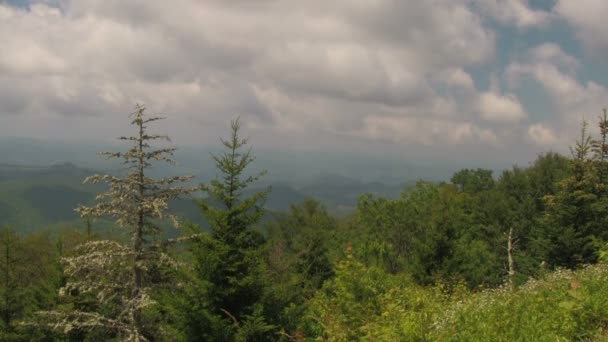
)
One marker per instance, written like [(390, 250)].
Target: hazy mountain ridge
[(296, 169), (38, 196), (42, 180)]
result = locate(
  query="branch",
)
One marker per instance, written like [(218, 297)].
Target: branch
[(236, 322)]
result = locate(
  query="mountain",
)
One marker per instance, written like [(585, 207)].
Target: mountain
[(294, 168), (340, 193), (35, 197), (281, 196), (38, 196), (41, 184)]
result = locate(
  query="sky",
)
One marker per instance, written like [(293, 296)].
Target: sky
[(436, 79)]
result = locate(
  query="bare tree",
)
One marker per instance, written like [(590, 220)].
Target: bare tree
[(115, 273), (511, 243)]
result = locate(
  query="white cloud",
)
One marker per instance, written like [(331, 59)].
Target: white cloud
[(513, 12), (541, 135), (398, 71), (495, 107), (571, 99), (313, 66), (588, 17), (457, 77), (426, 132)]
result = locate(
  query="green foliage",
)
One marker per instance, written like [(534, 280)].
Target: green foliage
[(228, 263), (473, 181), (432, 232), (366, 303), (564, 306), (448, 261), (297, 262), (575, 216), (233, 214), (29, 277)]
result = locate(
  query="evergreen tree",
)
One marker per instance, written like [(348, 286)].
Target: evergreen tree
[(228, 261), (114, 277), (229, 213), (571, 212), (297, 262)]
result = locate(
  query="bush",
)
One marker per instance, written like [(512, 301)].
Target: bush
[(564, 306)]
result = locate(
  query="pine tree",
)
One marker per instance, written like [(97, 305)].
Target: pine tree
[(234, 215), (571, 216), (228, 261), (600, 146), (115, 274)]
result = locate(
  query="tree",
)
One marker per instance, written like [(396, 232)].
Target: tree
[(366, 303), (515, 218), (115, 275), (10, 289), (473, 181), (572, 216), (228, 212), (29, 279), (307, 232), (297, 262), (228, 261)]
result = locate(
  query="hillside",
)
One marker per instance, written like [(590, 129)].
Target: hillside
[(37, 197)]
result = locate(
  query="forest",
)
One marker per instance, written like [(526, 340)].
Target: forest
[(515, 256)]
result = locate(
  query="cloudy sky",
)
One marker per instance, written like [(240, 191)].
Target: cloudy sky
[(498, 79)]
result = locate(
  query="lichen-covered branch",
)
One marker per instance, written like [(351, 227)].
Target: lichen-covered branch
[(112, 273)]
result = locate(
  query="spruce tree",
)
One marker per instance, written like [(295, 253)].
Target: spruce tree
[(115, 275), (229, 213), (571, 216), (229, 260)]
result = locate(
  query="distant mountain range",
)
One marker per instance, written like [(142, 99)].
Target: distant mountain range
[(39, 197), (41, 181), (294, 168)]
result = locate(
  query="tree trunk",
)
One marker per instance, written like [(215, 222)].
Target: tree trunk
[(138, 236), (510, 247)]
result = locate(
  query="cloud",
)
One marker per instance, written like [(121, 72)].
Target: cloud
[(317, 66), (404, 72), (513, 12), (588, 17), (457, 77), (556, 73), (434, 132), (494, 107), (541, 135)]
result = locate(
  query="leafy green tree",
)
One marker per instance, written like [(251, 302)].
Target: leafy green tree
[(110, 280), (366, 303), (544, 176), (419, 233), (228, 262), (306, 233), (473, 181)]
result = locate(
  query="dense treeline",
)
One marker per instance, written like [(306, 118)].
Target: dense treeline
[(481, 257)]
